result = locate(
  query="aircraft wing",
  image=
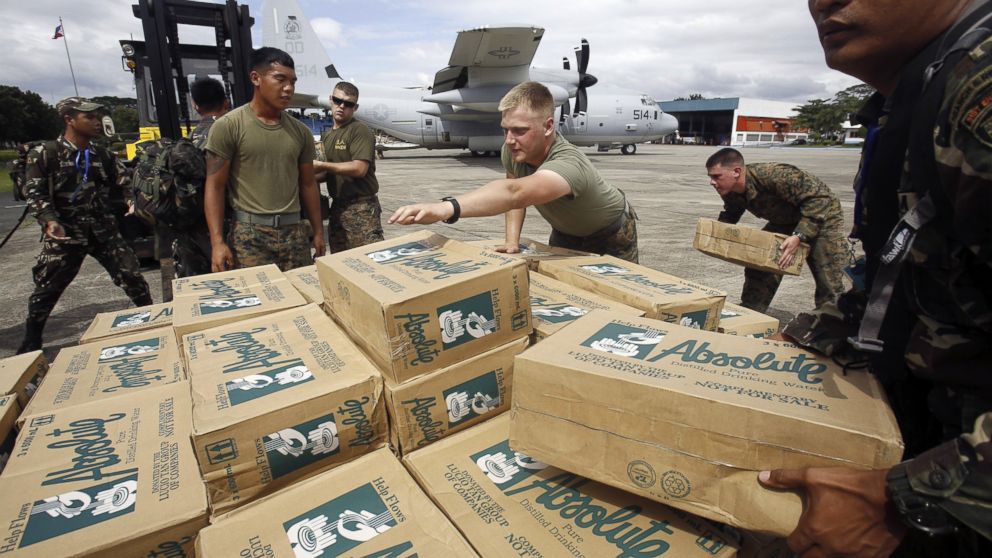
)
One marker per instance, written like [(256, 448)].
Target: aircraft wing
[(489, 51)]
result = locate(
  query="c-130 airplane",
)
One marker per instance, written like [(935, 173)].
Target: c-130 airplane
[(460, 109)]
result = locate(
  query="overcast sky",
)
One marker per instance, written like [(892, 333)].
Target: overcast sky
[(668, 48)]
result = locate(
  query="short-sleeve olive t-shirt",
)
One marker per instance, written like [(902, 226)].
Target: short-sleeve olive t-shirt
[(265, 160), (351, 142), (592, 205)]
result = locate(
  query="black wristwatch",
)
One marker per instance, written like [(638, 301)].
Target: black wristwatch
[(456, 214), (916, 510), (802, 237)]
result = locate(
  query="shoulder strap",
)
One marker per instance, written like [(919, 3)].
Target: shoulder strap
[(49, 153), (923, 173)]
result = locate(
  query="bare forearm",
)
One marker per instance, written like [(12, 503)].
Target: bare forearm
[(310, 198), (494, 198), (514, 224), (213, 210), (355, 169)]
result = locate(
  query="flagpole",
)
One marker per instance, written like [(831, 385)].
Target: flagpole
[(69, 58)]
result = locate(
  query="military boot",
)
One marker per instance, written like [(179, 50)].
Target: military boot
[(143, 300), (32, 338)]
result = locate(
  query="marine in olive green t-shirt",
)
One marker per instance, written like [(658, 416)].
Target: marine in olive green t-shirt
[(351, 142), (592, 205), (265, 160)]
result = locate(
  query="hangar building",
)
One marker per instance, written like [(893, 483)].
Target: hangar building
[(735, 121)]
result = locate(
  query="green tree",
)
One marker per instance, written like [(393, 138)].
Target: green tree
[(824, 117), (125, 119), (24, 116)]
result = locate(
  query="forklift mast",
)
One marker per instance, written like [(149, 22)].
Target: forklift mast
[(163, 65)]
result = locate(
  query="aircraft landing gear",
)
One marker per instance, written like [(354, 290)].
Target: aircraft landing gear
[(476, 153), (628, 149)]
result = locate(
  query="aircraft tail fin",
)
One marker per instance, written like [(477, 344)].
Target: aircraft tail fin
[(284, 26)]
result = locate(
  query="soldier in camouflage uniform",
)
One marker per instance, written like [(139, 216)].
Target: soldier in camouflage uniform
[(796, 204), (928, 144), (544, 170), (191, 246), (349, 165), (69, 197)]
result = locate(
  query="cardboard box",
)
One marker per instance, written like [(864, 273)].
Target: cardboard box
[(441, 403), (745, 246), (107, 478), (737, 320), (9, 410), (207, 301), (506, 503), (108, 368), (305, 280), (277, 398), (129, 320), (369, 507), (422, 302), (688, 417), (554, 304), (531, 251), (661, 296), (22, 374)]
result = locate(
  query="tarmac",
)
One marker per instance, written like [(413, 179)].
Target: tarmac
[(666, 184)]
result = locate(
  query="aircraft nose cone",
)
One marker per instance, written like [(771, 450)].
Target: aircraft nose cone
[(588, 80)]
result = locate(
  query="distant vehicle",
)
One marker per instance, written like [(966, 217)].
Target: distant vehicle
[(460, 109)]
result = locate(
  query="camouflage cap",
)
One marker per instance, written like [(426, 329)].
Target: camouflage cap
[(74, 104)]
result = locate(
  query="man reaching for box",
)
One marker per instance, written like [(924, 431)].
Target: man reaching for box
[(795, 203)]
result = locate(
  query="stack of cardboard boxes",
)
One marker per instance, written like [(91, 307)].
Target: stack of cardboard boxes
[(441, 319), (286, 408), (278, 398)]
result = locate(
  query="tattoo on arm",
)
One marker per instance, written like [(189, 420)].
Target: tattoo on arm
[(214, 163)]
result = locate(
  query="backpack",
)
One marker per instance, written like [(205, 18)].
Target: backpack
[(18, 170), (168, 182)]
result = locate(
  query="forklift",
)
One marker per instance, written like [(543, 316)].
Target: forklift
[(163, 69)]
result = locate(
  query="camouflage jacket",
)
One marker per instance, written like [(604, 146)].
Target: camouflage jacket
[(785, 195), (199, 134), (73, 197), (946, 299)]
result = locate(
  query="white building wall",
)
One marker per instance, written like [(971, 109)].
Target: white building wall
[(766, 108)]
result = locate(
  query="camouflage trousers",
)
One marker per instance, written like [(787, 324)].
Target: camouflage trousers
[(828, 255), (59, 262), (618, 239), (353, 223), (191, 251), (288, 246)]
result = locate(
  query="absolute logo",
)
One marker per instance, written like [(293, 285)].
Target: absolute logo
[(505, 467), (624, 274), (638, 343), (559, 492), (554, 312), (624, 340), (293, 448), (215, 305), (94, 459), (466, 320), (423, 256), (138, 318), (694, 320), (216, 288), (474, 398), (249, 352), (258, 385), (128, 361), (339, 525), (129, 350), (72, 510)]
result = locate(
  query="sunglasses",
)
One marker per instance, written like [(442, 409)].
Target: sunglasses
[(343, 103)]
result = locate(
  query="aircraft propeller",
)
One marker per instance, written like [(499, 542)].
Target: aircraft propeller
[(585, 79)]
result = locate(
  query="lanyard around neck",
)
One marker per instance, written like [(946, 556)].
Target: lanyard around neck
[(86, 172)]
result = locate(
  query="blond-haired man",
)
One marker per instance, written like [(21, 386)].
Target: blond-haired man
[(543, 170)]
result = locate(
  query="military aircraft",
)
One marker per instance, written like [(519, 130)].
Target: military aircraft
[(459, 110)]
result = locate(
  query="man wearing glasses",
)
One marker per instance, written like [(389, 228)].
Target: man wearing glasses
[(349, 166)]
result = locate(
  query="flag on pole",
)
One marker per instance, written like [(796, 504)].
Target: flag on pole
[(58, 32)]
